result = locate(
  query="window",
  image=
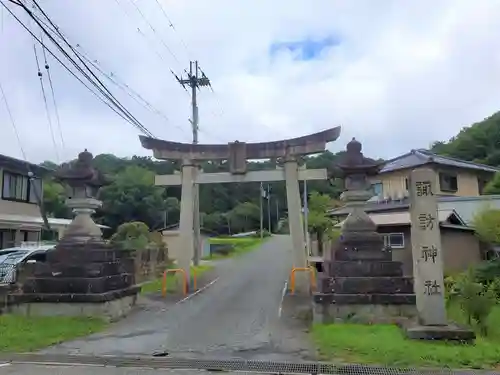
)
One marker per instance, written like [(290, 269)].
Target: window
[(407, 187), (377, 188), (19, 188), (448, 182), (394, 240)]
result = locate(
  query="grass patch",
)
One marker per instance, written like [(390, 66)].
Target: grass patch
[(173, 280), (25, 334), (241, 245), (387, 345)]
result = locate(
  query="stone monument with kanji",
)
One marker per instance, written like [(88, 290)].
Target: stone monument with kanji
[(431, 322)]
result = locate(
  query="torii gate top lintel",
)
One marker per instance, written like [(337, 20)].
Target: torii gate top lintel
[(239, 151)]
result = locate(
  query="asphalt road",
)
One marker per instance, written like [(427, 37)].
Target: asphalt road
[(24, 369), (236, 317)]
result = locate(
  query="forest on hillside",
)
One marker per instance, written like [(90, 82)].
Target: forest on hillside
[(226, 208)]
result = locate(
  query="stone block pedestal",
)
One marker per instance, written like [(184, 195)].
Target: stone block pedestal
[(449, 332), (79, 279)]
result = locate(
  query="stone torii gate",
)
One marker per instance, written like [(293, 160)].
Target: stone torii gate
[(237, 154)]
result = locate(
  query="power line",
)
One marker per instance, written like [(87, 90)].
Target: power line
[(113, 106), (171, 25), (13, 123), (154, 31), (49, 120), (108, 92), (148, 42), (31, 175), (56, 110), (114, 78)]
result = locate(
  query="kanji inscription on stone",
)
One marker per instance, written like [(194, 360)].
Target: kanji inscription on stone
[(423, 188), (426, 221), (432, 287), (426, 247), (429, 253)]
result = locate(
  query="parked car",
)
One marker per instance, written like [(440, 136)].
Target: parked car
[(12, 258)]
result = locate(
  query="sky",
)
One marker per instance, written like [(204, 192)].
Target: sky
[(397, 75)]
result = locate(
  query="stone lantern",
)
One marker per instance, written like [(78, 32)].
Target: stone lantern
[(83, 183), (82, 275), (361, 283)]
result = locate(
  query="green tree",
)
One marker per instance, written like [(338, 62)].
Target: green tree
[(487, 225), (493, 187), (132, 196), (244, 217), (172, 210), (131, 236), (317, 220), (54, 198)]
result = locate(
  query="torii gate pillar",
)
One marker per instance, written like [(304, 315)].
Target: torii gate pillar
[(294, 215), (237, 153)]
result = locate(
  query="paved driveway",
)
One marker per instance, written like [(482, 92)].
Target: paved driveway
[(237, 316)]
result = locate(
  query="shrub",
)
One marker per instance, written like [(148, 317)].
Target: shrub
[(486, 272), (475, 299)]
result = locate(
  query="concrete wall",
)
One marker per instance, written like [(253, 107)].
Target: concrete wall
[(172, 240)]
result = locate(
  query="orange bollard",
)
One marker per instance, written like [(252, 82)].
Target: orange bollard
[(292, 277), (164, 281)]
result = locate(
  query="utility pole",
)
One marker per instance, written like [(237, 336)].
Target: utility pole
[(261, 195), (194, 81), (269, 208), (306, 219)]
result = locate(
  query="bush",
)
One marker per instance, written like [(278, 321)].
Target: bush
[(476, 300), (486, 272)]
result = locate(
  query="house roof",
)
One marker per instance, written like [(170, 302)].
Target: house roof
[(447, 217), (174, 227), (22, 166), (401, 204), (37, 221), (420, 157)]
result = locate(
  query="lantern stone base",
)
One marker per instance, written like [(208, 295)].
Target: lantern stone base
[(449, 332), (364, 309), (110, 306)]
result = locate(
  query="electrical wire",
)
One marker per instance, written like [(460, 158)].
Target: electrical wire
[(123, 86), (116, 108), (31, 175), (101, 87), (154, 31), (112, 77), (148, 42), (171, 24), (49, 120), (56, 110)]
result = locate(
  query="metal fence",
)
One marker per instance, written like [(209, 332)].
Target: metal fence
[(229, 365), (8, 273)]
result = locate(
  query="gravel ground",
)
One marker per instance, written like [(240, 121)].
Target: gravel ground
[(236, 316)]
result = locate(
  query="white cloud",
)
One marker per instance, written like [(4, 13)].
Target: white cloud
[(405, 73)]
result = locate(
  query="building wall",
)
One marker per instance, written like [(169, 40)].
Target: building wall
[(395, 182), (16, 208), (460, 249)]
